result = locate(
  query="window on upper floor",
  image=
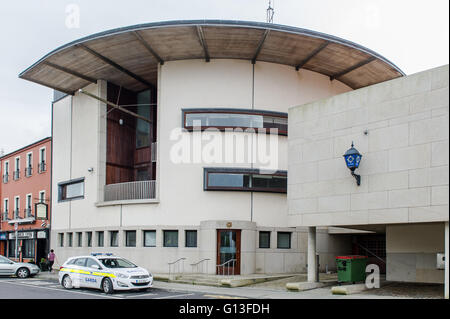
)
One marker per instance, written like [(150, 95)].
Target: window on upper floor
[(16, 174), (243, 179), (42, 167), (235, 118), (69, 190), (29, 164), (5, 176)]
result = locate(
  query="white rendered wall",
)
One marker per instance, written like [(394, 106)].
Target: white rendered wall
[(80, 143)]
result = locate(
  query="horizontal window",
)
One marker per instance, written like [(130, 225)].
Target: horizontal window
[(71, 189), (235, 118), (245, 180)]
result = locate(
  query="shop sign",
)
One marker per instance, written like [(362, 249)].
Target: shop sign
[(22, 235), (41, 234), (41, 210)]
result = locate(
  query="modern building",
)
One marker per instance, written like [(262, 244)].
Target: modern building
[(161, 151), (25, 202), (401, 128)]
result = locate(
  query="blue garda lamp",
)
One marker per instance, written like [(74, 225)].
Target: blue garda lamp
[(352, 159)]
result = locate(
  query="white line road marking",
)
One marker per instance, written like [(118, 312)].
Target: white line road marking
[(134, 296), (175, 296), (69, 291)]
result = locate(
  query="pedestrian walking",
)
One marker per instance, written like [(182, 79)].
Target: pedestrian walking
[(51, 260)]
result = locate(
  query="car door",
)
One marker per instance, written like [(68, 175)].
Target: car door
[(78, 272), (6, 266), (92, 267)]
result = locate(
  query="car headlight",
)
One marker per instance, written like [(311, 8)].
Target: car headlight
[(122, 276)]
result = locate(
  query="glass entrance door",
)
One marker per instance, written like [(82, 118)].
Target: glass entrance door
[(228, 251)]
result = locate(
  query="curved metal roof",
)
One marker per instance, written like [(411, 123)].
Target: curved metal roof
[(129, 56)]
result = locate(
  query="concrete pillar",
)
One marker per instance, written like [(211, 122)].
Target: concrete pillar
[(312, 263), (446, 262)]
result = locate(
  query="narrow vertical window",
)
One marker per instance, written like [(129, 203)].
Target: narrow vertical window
[(114, 238), (130, 238), (191, 238), (28, 206), (149, 238), (100, 239), (264, 239)]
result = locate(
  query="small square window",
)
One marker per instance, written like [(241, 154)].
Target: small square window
[(130, 238), (191, 238), (264, 239), (284, 240), (149, 238), (170, 238)]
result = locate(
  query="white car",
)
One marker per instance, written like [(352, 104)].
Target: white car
[(103, 271), (21, 270)]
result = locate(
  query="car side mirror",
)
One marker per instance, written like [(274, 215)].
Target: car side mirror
[(96, 267)]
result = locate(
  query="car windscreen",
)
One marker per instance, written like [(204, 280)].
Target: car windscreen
[(117, 263)]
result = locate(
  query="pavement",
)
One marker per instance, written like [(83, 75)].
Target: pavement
[(274, 289), (45, 285)]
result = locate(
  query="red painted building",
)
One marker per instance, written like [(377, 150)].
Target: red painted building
[(25, 202)]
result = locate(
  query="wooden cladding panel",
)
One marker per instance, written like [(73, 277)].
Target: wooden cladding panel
[(335, 58), (286, 48), (174, 43), (237, 43), (369, 74)]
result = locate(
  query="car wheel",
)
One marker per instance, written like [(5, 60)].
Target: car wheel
[(107, 286), (23, 272), (67, 282)]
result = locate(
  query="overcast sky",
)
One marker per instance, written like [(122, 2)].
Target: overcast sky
[(413, 34)]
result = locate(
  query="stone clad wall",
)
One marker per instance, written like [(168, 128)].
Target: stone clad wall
[(404, 168)]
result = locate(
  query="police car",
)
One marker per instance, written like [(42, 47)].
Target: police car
[(103, 271)]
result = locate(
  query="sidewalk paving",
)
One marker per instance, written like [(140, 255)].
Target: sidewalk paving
[(267, 290)]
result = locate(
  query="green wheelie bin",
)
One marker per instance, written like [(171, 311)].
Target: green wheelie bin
[(351, 268)]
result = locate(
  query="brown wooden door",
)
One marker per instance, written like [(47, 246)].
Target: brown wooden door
[(228, 249)]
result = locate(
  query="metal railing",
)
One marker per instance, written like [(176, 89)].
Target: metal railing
[(28, 171), (16, 214), (16, 174), (131, 190), (42, 167), (222, 266), (176, 265), (200, 262), (5, 215), (5, 178), (28, 212)]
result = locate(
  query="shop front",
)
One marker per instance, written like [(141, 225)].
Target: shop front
[(27, 245)]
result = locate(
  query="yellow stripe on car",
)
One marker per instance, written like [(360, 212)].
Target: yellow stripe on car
[(79, 271), (103, 274)]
